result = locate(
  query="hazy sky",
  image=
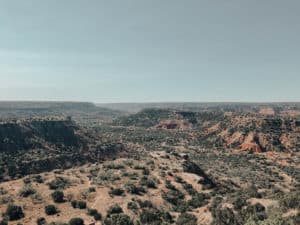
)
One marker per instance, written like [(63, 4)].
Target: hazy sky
[(150, 50)]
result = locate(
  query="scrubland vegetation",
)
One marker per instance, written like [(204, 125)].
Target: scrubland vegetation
[(165, 166)]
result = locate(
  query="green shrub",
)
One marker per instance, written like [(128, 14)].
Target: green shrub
[(170, 186), (145, 204), (252, 192), (290, 201), (78, 204), (14, 212), (239, 203), (186, 219), (132, 206), (37, 198), (51, 210), (173, 196), (189, 188), (114, 209), (118, 219), (116, 192), (92, 189), (41, 221), (3, 191), (198, 200), (59, 183), (113, 166), (256, 212), (94, 213), (58, 196), (27, 190), (134, 189), (150, 183), (224, 216), (179, 180), (81, 204), (38, 179), (76, 221), (57, 223), (150, 217)]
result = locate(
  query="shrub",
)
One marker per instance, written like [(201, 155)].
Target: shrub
[(239, 203), (59, 183), (92, 189), (256, 212), (224, 217), (174, 196), (50, 210), (132, 206), (198, 200), (186, 219), (252, 192), (189, 188), (3, 191), (118, 219), (133, 189), (94, 213), (36, 198), (170, 186), (179, 179), (14, 212), (57, 223), (113, 166), (146, 171), (290, 201), (114, 209), (38, 179), (27, 180), (150, 217), (106, 177), (167, 217), (41, 221), (26, 191), (58, 196), (145, 204), (146, 181), (78, 204), (81, 204), (116, 192), (76, 221)]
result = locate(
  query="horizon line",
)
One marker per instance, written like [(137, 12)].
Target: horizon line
[(147, 102)]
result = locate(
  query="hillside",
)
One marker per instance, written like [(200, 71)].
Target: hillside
[(215, 128), (42, 144)]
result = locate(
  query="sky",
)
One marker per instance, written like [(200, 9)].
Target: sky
[(150, 50)]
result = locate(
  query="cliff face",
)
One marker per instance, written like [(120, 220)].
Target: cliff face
[(26, 135)]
